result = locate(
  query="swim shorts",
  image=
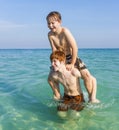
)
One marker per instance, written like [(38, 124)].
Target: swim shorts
[(79, 63), (71, 102)]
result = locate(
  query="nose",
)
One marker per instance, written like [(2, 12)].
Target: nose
[(52, 63), (50, 25)]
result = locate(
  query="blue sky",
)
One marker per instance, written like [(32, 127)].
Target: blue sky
[(94, 23)]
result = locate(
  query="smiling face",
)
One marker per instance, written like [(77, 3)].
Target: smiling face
[(53, 24), (57, 59), (53, 21), (56, 64)]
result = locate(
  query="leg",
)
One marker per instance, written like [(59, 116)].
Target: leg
[(94, 91), (90, 84), (86, 76)]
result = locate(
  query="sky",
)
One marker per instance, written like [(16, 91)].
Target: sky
[(93, 23)]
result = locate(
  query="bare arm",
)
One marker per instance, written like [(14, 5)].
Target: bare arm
[(55, 87), (56, 90), (51, 42), (72, 43)]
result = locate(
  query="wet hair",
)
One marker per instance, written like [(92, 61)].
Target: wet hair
[(54, 14), (59, 55)]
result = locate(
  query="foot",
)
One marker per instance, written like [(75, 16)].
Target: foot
[(94, 101)]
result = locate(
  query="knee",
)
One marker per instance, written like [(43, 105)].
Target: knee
[(94, 79)]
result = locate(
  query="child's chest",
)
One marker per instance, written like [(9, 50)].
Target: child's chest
[(67, 79), (60, 41)]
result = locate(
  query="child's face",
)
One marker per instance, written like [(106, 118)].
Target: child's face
[(56, 64), (53, 24)]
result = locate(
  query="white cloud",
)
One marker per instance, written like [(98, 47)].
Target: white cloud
[(11, 25)]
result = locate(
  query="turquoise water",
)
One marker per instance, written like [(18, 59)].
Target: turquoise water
[(26, 99)]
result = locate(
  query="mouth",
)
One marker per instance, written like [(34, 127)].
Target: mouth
[(52, 29), (54, 68)]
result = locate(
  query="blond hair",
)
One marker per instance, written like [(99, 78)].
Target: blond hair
[(54, 14)]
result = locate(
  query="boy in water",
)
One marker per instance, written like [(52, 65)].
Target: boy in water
[(73, 96), (61, 37)]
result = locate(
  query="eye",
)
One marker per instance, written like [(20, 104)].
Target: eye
[(49, 23)]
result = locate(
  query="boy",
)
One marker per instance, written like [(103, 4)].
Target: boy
[(61, 37), (73, 97)]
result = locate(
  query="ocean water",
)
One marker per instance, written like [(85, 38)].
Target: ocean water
[(26, 101)]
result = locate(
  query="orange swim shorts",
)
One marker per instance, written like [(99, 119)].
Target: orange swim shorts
[(71, 102)]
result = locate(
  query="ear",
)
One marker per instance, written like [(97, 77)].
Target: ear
[(60, 21)]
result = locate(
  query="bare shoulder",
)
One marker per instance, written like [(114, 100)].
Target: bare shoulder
[(54, 75), (65, 30), (50, 34), (75, 72)]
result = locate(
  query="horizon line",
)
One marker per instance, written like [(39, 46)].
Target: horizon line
[(50, 48)]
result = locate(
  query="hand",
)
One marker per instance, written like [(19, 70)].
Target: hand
[(58, 97), (69, 67)]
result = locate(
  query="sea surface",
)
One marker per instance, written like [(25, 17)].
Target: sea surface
[(26, 101)]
